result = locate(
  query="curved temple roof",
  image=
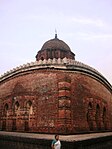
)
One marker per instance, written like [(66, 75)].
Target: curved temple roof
[(65, 64)]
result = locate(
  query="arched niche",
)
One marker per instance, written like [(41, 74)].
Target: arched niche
[(90, 116), (97, 117), (104, 117), (5, 115), (29, 107)]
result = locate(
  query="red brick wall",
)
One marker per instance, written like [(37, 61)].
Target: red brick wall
[(60, 102), (86, 90)]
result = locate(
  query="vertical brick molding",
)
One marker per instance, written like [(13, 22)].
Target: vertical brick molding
[(64, 105), (93, 119)]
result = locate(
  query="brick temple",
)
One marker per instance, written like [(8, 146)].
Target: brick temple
[(55, 94)]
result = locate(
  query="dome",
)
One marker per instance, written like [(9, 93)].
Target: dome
[(55, 44), (55, 48)]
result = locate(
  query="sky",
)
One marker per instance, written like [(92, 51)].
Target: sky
[(85, 25)]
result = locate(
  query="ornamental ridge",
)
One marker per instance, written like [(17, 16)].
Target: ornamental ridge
[(66, 64)]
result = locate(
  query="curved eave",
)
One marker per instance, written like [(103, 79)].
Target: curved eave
[(93, 74), (59, 64)]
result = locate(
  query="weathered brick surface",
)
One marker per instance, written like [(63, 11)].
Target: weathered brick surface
[(51, 101)]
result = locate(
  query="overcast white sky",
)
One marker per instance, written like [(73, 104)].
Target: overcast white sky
[(85, 25)]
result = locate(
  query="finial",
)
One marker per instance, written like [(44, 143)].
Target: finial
[(55, 34)]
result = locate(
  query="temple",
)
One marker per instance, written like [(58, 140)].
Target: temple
[(55, 94)]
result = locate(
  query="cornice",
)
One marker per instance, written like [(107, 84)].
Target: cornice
[(65, 64)]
